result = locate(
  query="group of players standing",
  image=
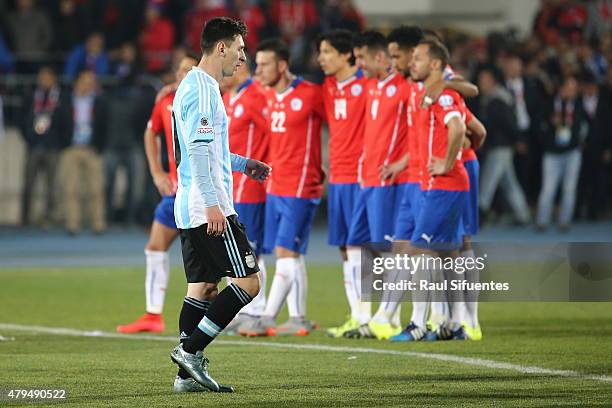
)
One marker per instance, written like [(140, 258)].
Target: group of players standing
[(403, 176)]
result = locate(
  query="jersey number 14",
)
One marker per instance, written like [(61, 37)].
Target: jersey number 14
[(340, 109)]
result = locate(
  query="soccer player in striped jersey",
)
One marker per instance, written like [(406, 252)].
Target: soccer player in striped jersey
[(246, 108), (385, 135), (214, 242), (163, 231), (344, 100), (295, 117)]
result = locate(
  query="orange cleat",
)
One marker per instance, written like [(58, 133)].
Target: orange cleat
[(262, 327), (149, 322)]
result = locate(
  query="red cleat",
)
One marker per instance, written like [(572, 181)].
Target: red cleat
[(149, 322)]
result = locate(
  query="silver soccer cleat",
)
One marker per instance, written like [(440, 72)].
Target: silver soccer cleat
[(182, 385), (196, 365), (187, 385)]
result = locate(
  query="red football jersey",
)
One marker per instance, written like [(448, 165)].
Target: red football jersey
[(161, 121), (416, 92), (385, 127), (248, 136), (295, 119), (345, 108), (433, 141), (467, 154)]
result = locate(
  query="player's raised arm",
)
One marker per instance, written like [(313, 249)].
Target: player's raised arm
[(456, 83), (462, 86), (453, 81)]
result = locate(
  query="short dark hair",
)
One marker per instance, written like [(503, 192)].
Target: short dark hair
[(277, 46), (49, 69), (514, 54), (341, 40), (374, 40), (429, 34), (437, 50), (220, 29), (406, 36)]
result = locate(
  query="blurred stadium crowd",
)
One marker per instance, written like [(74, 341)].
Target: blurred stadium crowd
[(79, 79)]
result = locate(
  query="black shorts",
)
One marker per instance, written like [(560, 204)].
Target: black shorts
[(208, 259)]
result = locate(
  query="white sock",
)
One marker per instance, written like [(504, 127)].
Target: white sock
[(296, 299), (350, 288), (258, 304), (440, 312), (281, 284), (364, 313), (471, 305), (390, 309), (420, 298), (156, 281), (384, 312), (419, 314), (456, 299), (396, 318)]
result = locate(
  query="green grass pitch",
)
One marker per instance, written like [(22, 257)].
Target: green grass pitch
[(117, 372)]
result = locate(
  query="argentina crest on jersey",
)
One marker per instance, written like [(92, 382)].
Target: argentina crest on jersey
[(204, 127)]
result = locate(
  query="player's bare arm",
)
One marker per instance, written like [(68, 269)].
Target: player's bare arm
[(166, 89), (458, 84), (456, 131), (476, 133), (217, 223), (161, 178), (391, 171), (257, 170)]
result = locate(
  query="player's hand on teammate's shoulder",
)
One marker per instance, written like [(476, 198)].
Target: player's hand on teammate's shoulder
[(437, 166), (257, 170), (433, 92), (217, 223), (163, 183)]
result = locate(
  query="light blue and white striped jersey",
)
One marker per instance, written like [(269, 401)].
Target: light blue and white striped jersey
[(201, 145)]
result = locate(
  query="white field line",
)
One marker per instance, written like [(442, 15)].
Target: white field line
[(478, 362)]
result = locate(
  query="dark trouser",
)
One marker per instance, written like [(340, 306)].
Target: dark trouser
[(529, 168), (39, 160), (113, 160), (592, 187)]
